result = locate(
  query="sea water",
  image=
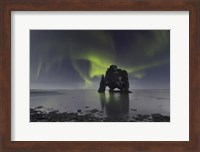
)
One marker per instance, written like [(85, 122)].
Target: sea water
[(140, 101)]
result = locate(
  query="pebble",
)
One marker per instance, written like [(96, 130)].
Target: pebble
[(94, 110), (79, 110), (134, 109)]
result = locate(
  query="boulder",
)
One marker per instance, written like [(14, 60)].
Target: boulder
[(114, 78)]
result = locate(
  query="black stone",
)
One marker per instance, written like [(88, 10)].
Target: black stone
[(79, 110), (134, 109), (94, 110), (160, 118)]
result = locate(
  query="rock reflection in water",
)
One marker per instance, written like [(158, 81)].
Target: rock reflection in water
[(115, 104)]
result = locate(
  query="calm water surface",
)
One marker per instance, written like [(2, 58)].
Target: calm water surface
[(139, 102)]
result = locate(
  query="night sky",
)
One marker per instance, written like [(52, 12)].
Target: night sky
[(76, 59)]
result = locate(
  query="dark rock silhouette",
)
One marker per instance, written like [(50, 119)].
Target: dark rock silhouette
[(115, 78), (102, 87)]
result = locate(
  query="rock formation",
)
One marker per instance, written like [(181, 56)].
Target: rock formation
[(114, 78)]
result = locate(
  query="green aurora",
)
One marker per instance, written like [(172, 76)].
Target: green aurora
[(99, 49)]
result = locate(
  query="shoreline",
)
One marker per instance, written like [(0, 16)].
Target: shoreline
[(94, 115)]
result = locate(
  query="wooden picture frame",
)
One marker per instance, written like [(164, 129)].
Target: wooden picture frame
[(193, 6)]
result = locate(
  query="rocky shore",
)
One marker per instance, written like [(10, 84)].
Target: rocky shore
[(91, 115)]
